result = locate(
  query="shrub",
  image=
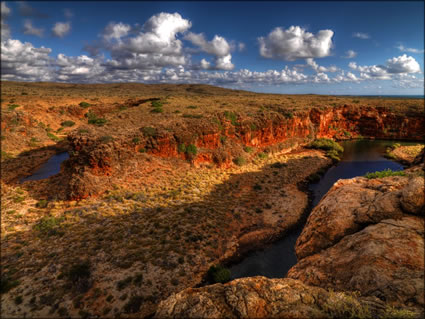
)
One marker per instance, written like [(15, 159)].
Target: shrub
[(333, 149), (133, 305), (149, 131), (93, 119), (231, 116), (157, 110), (48, 225), (346, 133), (289, 115), (142, 150), (6, 284), (218, 274), (42, 203), (262, 155), (193, 116), (223, 139), (53, 137), (181, 148), (253, 127), (106, 139), (82, 131), (191, 150), (248, 149), (136, 140), (156, 103), (79, 274), (13, 106), (192, 107), (68, 123), (239, 161), (384, 173), (84, 105)]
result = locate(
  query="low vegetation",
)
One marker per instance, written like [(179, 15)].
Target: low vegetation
[(332, 148), (385, 173), (218, 274)]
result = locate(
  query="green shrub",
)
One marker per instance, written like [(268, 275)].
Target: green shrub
[(223, 139), (218, 274), (333, 149), (193, 116), (68, 123), (248, 149), (84, 105), (18, 300), (384, 173), (191, 149), (82, 131), (136, 140), (149, 131), (42, 203), (5, 155), (231, 116), (289, 115), (346, 133), (142, 150), (53, 137), (79, 275), (93, 119), (181, 148), (253, 127), (7, 284), (157, 110), (240, 161), (13, 106), (156, 103), (262, 155), (192, 107), (48, 225)]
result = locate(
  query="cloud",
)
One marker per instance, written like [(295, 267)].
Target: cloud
[(23, 62), (319, 69), (116, 31), (61, 29), (218, 47), (241, 46), (68, 13), (361, 35), (350, 54), (411, 50), (295, 43), (403, 64), (31, 30), (26, 10), (398, 66), (5, 12)]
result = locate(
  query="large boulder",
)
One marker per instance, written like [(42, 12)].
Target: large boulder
[(349, 206), (385, 260), (259, 297), (412, 196)]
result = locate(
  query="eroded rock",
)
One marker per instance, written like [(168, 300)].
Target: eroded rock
[(412, 196)]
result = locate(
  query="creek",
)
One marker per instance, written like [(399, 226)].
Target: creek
[(359, 158)]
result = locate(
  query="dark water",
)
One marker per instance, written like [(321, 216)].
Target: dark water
[(50, 168), (359, 158)]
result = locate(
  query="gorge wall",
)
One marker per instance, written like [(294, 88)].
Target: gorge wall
[(97, 160)]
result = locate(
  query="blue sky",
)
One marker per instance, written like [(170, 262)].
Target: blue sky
[(282, 47)]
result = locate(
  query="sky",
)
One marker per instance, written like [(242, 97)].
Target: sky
[(349, 48)]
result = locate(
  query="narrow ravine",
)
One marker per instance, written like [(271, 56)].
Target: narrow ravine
[(359, 158)]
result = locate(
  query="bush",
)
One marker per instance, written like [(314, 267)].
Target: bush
[(239, 161), (68, 123), (262, 155), (53, 137), (191, 150), (231, 116), (84, 105), (48, 225), (42, 203), (193, 116), (133, 305), (6, 284), (384, 173), (149, 131), (136, 140), (248, 149), (181, 148), (93, 119), (156, 103), (13, 106), (106, 139), (192, 107), (333, 149), (158, 110), (218, 274), (79, 274)]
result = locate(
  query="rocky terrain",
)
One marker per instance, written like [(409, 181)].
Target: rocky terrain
[(164, 181)]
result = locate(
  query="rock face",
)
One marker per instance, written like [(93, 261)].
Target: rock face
[(98, 157), (259, 297), (361, 237)]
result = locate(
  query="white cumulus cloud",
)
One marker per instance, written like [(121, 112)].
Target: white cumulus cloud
[(350, 54), (61, 29), (296, 43), (31, 30), (411, 50)]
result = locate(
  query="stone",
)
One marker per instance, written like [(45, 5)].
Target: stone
[(412, 196)]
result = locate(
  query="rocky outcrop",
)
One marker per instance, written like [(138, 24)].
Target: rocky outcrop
[(259, 297), (106, 153), (361, 237)]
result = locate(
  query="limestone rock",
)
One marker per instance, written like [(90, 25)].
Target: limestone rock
[(259, 297), (384, 260), (349, 206), (412, 196)]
